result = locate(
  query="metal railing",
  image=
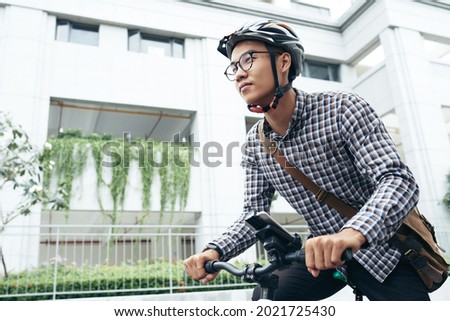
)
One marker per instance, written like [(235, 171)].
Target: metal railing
[(49, 262), (73, 261)]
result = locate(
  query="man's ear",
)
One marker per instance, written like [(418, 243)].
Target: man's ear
[(285, 61)]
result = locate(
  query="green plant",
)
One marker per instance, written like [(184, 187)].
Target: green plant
[(175, 177), (118, 184), (21, 170), (446, 199), (69, 156), (142, 277), (71, 149), (21, 167), (147, 172)]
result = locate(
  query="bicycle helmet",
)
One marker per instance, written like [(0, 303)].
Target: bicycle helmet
[(271, 32), (275, 35)]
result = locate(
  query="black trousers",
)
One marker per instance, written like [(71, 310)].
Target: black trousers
[(297, 284)]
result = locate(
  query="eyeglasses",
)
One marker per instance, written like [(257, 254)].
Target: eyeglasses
[(245, 62)]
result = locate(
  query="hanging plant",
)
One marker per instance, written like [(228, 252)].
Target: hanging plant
[(69, 155), (164, 179), (96, 143), (183, 174), (180, 178), (71, 150), (118, 184), (174, 172), (147, 172)]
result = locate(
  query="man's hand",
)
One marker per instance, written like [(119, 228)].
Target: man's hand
[(324, 252), (195, 266)]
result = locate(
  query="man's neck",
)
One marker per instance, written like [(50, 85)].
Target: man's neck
[(280, 117)]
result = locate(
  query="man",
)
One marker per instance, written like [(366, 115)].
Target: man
[(339, 142)]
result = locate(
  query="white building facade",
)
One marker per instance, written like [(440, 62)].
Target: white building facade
[(69, 64)]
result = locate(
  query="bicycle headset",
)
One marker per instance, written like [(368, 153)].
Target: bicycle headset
[(274, 35)]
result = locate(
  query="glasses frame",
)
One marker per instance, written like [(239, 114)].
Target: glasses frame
[(237, 64)]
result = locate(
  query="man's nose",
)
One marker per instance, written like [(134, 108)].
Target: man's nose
[(240, 73)]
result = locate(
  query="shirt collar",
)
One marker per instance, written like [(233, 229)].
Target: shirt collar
[(295, 120)]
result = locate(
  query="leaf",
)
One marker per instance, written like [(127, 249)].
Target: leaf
[(25, 211), (12, 146), (17, 133)]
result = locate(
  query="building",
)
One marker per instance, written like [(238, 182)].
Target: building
[(151, 68)]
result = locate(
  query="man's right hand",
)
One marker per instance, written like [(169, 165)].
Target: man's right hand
[(195, 266)]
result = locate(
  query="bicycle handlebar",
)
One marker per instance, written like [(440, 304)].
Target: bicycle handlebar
[(257, 270), (282, 247)]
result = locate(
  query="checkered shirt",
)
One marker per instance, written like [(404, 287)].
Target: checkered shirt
[(339, 142)]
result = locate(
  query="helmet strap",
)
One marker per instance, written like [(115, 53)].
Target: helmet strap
[(279, 92), (274, 67)]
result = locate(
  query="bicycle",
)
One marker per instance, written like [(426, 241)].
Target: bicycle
[(282, 248)]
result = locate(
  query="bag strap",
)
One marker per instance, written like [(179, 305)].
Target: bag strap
[(320, 194)]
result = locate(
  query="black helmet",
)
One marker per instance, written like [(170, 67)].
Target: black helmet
[(271, 32)]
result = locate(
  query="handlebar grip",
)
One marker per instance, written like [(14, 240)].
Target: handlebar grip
[(209, 267), (347, 255)]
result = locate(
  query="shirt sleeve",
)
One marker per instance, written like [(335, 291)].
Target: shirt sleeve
[(396, 192), (258, 195)]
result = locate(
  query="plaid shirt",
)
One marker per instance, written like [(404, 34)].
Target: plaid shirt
[(339, 142)]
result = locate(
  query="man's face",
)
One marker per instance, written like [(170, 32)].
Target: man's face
[(256, 85)]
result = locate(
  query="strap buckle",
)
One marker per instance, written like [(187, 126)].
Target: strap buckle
[(321, 194), (272, 147), (416, 260)]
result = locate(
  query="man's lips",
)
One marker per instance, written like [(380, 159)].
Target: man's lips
[(243, 86)]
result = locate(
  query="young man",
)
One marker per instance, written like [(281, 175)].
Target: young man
[(339, 142)]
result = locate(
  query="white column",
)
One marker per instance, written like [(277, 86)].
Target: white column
[(220, 132), (24, 92), (25, 58), (422, 127)]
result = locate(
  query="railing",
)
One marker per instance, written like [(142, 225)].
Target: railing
[(68, 261)]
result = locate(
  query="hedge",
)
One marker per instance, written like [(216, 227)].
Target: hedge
[(105, 280)]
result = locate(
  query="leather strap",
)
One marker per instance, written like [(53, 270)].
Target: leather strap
[(320, 194)]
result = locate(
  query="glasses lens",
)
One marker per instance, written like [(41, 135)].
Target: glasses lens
[(230, 72), (246, 61)]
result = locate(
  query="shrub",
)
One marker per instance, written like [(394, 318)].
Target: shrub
[(104, 280)]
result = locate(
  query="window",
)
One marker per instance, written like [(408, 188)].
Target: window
[(156, 45), (76, 32), (370, 60), (334, 9), (437, 50), (320, 70), (119, 121)]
